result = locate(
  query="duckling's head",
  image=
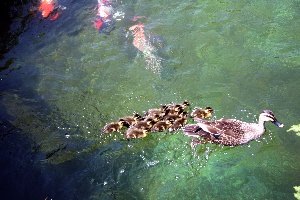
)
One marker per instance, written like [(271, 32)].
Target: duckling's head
[(178, 107), (208, 109), (268, 115), (137, 116), (186, 103), (122, 123), (169, 121), (163, 107), (156, 118), (151, 121), (183, 114)]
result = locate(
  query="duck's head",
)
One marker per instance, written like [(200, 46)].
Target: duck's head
[(268, 115)]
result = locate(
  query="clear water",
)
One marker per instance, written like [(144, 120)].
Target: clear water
[(67, 81)]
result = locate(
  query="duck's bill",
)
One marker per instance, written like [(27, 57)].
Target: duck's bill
[(277, 123)]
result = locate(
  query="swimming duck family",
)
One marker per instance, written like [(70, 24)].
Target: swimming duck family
[(172, 117), (230, 132)]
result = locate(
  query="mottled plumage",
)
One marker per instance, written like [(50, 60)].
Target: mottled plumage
[(145, 125), (202, 113), (178, 123), (156, 112), (161, 126), (230, 132), (155, 118), (114, 126), (135, 133), (176, 108), (131, 120)]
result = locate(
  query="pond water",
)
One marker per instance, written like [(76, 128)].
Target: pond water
[(64, 81)]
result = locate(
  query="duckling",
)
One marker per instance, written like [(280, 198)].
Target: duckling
[(145, 125), (202, 113), (178, 123), (161, 126), (135, 133), (114, 126), (155, 118), (173, 117), (131, 120), (181, 106), (185, 104), (173, 110), (155, 111)]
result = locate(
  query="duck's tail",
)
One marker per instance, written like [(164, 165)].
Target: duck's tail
[(192, 130)]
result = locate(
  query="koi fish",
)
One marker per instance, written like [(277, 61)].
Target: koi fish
[(104, 21), (50, 9), (139, 39), (141, 43)]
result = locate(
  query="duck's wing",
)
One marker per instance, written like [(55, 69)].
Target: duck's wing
[(193, 130), (228, 127)]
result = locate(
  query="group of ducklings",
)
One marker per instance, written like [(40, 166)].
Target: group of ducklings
[(169, 117)]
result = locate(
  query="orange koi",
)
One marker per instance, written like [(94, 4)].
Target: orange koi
[(143, 44), (50, 9), (46, 7), (139, 39)]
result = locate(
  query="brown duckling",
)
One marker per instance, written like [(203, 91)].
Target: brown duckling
[(156, 111), (173, 110), (145, 125), (202, 113), (173, 117), (178, 123), (114, 126), (181, 106), (135, 133), (161, 126), (176, 109), (155, 118), (185, 104), (131, 120)]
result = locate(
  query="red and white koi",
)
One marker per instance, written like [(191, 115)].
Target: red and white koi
[(50, 9)]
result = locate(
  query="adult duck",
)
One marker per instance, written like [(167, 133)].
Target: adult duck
[(230, 132)]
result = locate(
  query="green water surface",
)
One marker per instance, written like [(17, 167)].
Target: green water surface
[(67, 81)]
